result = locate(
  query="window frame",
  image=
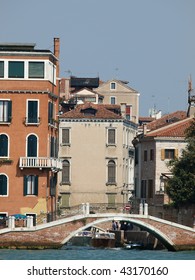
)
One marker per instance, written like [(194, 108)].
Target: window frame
[(34, 185), (7, 146), (113, 86), (7, 185), (6, 111), (64, 137), (2, 68), (111, 172), (12, 72), (65, 173), (36, 118), (36, 76), (112, 100)]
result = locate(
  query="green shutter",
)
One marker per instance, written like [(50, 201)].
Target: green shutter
[(36, 185), (9, 111), (16, 69), (25, 185)]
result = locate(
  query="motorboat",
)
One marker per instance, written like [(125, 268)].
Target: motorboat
[(103, 240), (132, 245)]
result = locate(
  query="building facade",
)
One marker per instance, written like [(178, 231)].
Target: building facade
[(95, 147), (118, 92), (29, 89), (153, 151)]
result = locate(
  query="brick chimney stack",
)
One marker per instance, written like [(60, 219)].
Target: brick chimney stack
[(57, 47)]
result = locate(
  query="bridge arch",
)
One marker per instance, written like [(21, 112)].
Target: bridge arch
[(165, 240)]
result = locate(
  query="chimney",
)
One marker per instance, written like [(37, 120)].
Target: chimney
[(57, 47)]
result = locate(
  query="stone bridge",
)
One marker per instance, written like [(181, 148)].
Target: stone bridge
[(173, 236)]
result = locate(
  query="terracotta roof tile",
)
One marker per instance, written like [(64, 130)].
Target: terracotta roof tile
[(167, 119), (173, 130), (99, 111)]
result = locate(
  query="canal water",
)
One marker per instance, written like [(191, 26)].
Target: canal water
[(89, 253)]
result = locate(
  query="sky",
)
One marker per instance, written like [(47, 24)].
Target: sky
[(149, 43)]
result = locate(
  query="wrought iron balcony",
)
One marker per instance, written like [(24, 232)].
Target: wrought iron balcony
[(40, 162)]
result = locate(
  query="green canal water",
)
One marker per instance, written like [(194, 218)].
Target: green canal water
[(88, 253)]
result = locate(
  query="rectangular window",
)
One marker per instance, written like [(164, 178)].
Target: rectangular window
[(36, 70), (65, 136), (143, 189), (151, 154), (16, 69), (145, 155), (5, 111), (111, 136), (53, 182), (111, 200), (30, 185), (150, 188), (112, 100), (65, 172), (32, 111), (112, 85), (65, 200), (169, 154), (1, 69), (128, 112), (50, 113)]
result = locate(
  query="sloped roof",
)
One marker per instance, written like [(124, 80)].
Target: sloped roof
[(122, 83), (172, 130), (167, 119), (101, 111)]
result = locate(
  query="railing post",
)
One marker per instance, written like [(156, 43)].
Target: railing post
[(29, 221), (141, 208), (11, 222), (87, 208), (146, 209)]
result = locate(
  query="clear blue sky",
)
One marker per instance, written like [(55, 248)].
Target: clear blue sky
[(150, 43)]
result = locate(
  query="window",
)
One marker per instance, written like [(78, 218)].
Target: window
[(32, 116), (65, 172), (145, 155), (112, 100), (111, 172), (3, 185), (32, 146), (36, 70), (3, 145), (112, 85), (169, 154), (16, 69), (128, 112), (143, 189), (53, 182), (65, 136), (65, 200), (151, 154), (111, 136), (111, 200), (150, 188), (53, 147), (30, 185), (1, 69), (5, 111), (50, 113)]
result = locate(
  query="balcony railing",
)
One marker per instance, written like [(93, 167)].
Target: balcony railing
[(40, 162)]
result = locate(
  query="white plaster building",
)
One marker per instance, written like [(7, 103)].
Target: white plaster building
[(95, 145)]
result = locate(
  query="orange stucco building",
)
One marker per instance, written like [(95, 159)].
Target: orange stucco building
[(29, 96)]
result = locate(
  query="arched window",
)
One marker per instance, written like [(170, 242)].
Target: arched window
[(111, 172), (3, 185), (65, 172), (32, 146), (3, 145)]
